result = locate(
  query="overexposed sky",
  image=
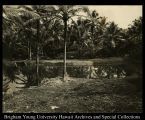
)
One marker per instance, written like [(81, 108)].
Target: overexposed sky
[(122, 15)]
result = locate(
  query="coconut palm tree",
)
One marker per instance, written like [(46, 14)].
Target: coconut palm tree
[(92, 23), (83, 37), (18, 16), (26, 16), (83, 34), (65, 13), (11, 24), (112, 36), (134, 34), (41, 12), (135, 48)]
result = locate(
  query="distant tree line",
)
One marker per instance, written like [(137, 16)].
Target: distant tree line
[(89, 36), (50, 32)]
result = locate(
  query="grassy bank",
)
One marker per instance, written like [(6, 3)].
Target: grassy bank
[(76, 95)]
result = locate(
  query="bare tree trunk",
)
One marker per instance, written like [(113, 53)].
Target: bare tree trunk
[(37, 55), (65, 35)]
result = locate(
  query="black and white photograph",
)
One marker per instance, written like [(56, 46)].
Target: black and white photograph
[(72, 59)]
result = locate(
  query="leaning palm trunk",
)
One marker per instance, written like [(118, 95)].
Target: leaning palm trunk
[(37, 54), (65, 35)]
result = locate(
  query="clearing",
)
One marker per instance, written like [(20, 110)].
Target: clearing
[(76, 95)]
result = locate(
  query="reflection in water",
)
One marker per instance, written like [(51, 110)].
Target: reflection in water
[(10, 86), (91, 72), (107, 72)]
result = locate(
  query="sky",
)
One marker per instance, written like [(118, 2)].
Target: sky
[(122, 15)]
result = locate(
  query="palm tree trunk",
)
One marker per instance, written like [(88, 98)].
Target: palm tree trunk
[(29, 46), (42, 52), (29, 50), (37, 54), (65, 35), (30, 53), (92, 49)]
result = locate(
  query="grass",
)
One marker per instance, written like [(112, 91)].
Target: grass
[(76, 62), (76, 95)]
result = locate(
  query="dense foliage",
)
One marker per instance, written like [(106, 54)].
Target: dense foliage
[(63, 32), (89, 36)]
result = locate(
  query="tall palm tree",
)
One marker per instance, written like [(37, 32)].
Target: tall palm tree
[(32, 14), (65, 13), (18, 15), (90, 31), (12, 22), (112, 36), (92, 24), (52, 36), (99, 37), (42, 12), (93, 21), (80, 33), (135, 48), (134, 34)]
